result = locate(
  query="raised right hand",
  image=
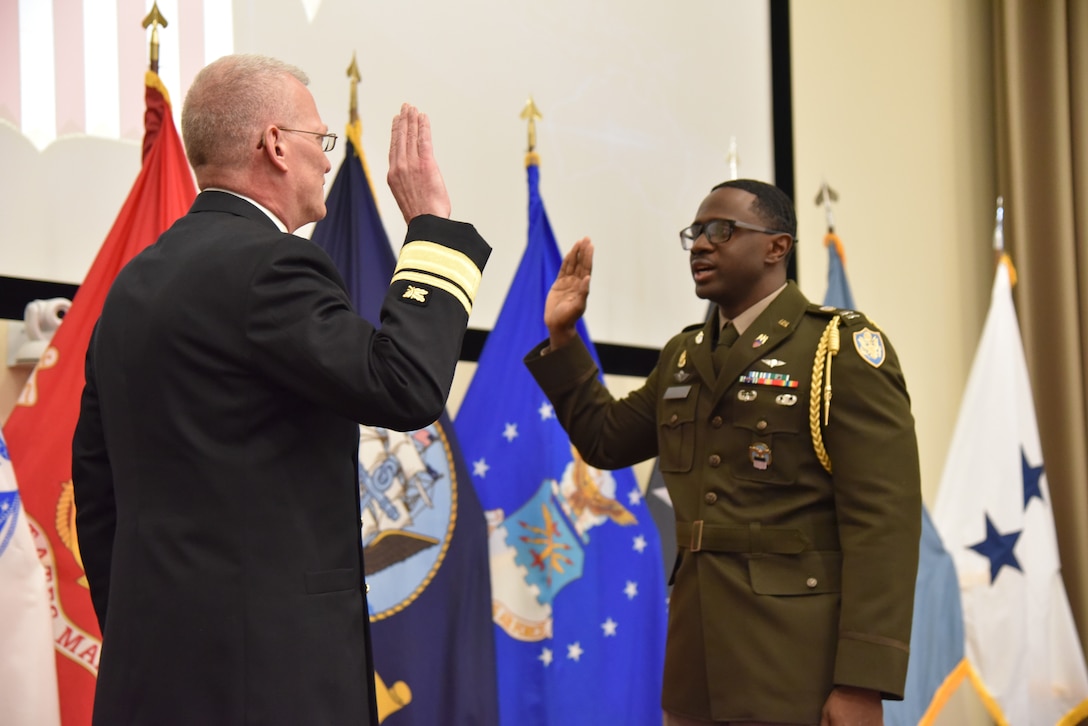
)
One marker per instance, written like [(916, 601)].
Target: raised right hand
[(414, 177), (566, 301)]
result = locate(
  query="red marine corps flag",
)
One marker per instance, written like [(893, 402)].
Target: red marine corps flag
[(39, 430)]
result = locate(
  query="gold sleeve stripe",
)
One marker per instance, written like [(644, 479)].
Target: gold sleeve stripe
[(442, 261), (441, 283)]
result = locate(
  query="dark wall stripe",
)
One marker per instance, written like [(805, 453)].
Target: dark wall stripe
[(619, 360), (16, 292), (782, 108)]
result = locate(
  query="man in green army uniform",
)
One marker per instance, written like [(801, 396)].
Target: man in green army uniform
[(798, 505)]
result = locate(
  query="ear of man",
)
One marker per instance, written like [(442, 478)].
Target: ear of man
[(778, 248), (273, 148)]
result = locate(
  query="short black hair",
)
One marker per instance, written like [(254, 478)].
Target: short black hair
[(771, 204)]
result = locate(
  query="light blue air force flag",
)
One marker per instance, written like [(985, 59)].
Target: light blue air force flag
[(936, 665), (838, 286)]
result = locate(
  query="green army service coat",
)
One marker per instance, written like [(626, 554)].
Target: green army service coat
[(789, 579)]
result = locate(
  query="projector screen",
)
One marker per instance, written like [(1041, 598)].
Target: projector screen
[(640, 104)]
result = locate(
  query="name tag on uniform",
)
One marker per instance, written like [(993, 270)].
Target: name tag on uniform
[(677, 392)]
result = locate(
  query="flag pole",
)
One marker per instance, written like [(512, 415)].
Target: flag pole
[(354, 78), (826, 196), (733, 159), (354, 128), (1001, 257), (531, 113), (999, 227), (154, 19)]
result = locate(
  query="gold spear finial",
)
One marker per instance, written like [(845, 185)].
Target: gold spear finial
[(531, 113), (154, 19), (826, 196), (354, 77)]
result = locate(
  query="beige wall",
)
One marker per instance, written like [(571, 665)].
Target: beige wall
[(893, 105)]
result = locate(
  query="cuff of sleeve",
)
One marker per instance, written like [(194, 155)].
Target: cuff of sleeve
[(444, 255), (562, 369), (880, 667), (459, 236)]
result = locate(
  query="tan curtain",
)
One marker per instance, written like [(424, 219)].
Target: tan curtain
[(1041, 77)]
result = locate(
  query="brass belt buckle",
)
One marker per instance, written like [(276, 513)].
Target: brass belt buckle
[(696, 535)]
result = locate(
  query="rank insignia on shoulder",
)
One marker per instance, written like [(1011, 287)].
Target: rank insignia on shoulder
[(417, 294), (699, 337), (870, 346), (682, 360)]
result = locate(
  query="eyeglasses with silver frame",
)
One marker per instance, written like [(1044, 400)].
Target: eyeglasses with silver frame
[(328, 141)]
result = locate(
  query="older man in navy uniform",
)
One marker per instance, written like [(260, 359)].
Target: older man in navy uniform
[(215, 458), (798, 506)]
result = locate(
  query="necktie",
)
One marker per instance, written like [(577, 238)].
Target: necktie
[(726, 338)]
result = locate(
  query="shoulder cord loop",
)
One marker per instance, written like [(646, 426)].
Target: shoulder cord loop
[(821, 389)]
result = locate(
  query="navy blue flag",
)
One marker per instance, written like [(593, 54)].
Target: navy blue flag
[(936, 665), (424, 534), (576, 576)]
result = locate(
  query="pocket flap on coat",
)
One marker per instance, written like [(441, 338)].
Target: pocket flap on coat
[(675, 412), (807, 573)]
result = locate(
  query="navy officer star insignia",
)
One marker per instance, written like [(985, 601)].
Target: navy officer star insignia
[(998, 548)]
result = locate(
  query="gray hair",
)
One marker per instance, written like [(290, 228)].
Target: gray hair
[(229, 102)]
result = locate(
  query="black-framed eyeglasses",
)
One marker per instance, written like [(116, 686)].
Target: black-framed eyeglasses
[(328, 141), (719, 231)]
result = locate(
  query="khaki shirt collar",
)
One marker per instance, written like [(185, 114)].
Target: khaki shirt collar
[(742, 321)]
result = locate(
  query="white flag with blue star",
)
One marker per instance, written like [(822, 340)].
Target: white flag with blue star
[(994, 514)]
